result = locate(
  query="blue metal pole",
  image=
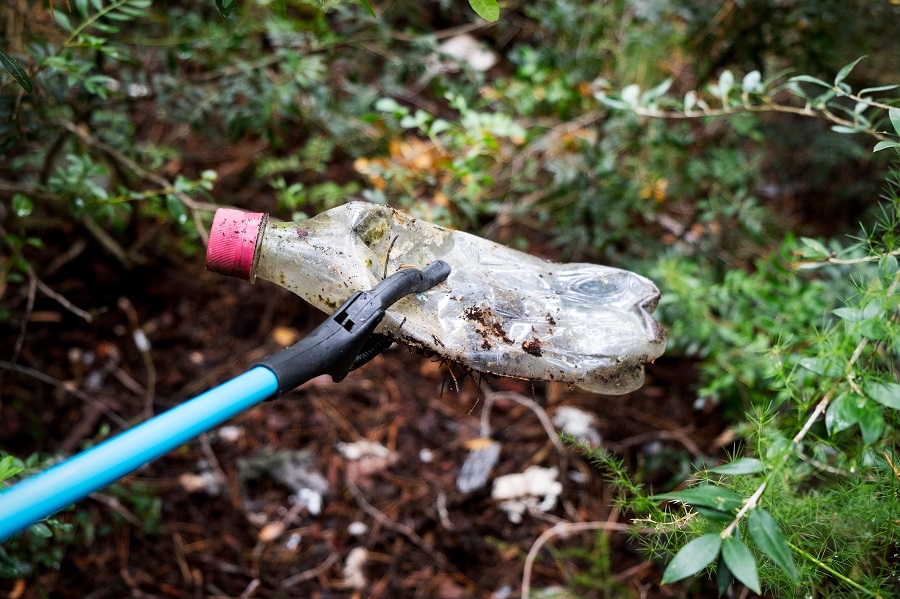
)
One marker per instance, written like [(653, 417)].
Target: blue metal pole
[(65, 483)]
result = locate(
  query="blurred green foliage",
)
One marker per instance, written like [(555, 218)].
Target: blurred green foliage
[(724, 149)]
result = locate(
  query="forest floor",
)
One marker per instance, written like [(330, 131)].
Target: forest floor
[(215, 518)]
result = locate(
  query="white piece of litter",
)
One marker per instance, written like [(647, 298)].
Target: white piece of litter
[(536, 488), (354, 576), (578, 423), (465, 48), (363, 449), (312, 500)]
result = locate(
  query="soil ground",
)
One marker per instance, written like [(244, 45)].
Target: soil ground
[(200, 522)]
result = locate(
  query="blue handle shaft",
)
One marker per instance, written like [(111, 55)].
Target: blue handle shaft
[(65, 483)]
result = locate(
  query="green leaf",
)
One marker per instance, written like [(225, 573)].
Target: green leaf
[(821, 366), (888, 267), (8, 467), (849, 314), (488, 10), (740, 466), (40, 530), (843, 412), (817, 247), (887, 394), (714, 515), (808, 79), (16, 71), (883, 145), (724, 577), (22, 205), (871, 424), (693, 557), (894, 113), (225, 7), (176, 209), (764, 531), (631, 95), (751, 84), (368, 8), (881, 88), (842, 129), (726, 83), (62, 19), (872, 309), (842, 74), (741, 562), (711, 496)]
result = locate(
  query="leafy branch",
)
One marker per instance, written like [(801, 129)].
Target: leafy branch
[(753, 95)]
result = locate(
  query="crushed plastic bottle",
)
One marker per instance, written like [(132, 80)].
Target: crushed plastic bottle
[(500, 311)]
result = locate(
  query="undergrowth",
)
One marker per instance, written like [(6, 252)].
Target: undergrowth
[(600, 133)]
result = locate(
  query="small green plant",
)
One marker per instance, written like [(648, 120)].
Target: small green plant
[(43, 543), (800, 350)]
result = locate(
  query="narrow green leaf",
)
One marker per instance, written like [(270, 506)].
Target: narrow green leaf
[(808, 79), (764, 531), (225, 7), (62, 19), (843, 129), (881, 88), (488, 10), (842, 74), (711, 496), (724, 577), (612, 102), (883, 145), (741, 562), (16, 71), (871, 424), (894, 113), (693, 557), (368, 8), (887, 394), (815, 245), (740, 466), (656, 92)]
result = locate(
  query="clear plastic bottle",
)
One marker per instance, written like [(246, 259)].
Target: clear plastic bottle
[(500, 311)]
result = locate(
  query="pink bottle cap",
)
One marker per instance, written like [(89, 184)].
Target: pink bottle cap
[(232, 242)]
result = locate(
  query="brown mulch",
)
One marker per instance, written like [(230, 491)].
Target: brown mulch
[(246, 537)]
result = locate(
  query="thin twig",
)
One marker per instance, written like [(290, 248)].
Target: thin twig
[(560, 529), (143, 346), (46, 378), (397, 527), (822, 114), (319, 570), (86, 316), (532, 405)]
